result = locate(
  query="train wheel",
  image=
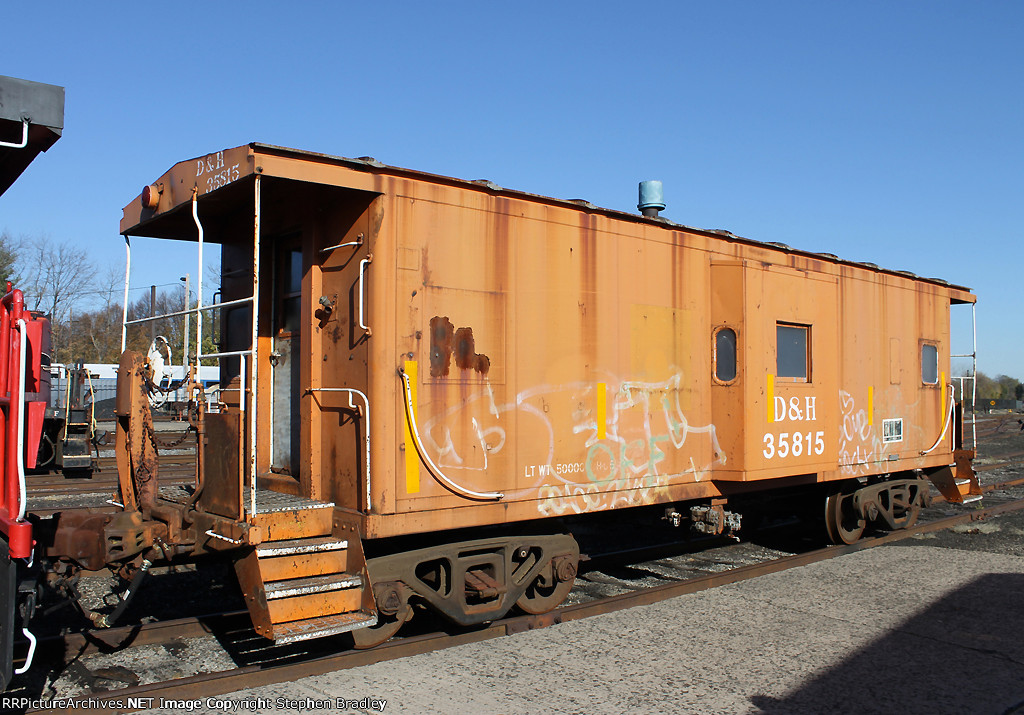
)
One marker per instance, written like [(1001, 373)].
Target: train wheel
[(393, 610), (844, 523), (386, 627), (550, 588)]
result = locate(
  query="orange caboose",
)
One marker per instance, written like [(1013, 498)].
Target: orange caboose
[(410, 355)]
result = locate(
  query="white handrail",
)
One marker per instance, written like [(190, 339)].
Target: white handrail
[(127, 274), (949, 418), (431, 467), (24, 137), (342, 245), (230, 353), (362, 269), (366, 401), (31, 652), (199, 287), (191, 311)]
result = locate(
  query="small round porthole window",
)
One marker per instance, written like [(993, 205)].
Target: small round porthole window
[(725, 355)]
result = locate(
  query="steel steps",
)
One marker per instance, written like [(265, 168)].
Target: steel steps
[(322, 627), (302, 582)]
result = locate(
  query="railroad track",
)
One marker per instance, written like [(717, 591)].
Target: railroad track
[(51, 492), (263, 664)]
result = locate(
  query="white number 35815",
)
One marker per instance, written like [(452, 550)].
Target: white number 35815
[(795, 444)]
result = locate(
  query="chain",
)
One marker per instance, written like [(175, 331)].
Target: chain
[(170, 445), (142, 473)]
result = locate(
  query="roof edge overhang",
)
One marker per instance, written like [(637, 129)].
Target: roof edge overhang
[(208, 167), (31, 119)]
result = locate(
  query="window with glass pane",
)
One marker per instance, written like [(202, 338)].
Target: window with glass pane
[(725, 354), (288, 285), (929, 364), (792, 351)]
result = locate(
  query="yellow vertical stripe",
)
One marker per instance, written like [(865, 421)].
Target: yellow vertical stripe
[(871, 404), (602, 410), (943, 407), (412, 460), (771, 398)]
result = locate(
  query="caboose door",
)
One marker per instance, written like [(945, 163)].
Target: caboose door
[(284, 358)]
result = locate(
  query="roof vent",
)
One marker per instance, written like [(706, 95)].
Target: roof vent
[(652, 200)]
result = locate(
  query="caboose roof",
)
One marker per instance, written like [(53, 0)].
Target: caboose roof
[(223, 181), (42, 106)]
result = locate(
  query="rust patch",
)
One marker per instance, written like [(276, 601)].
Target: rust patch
[(442, 333), (445, 341), (466, 356)]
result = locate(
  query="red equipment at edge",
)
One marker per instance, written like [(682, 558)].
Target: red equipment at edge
[(17, 371)]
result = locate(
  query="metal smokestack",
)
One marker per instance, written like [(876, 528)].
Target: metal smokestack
[(652, 198)]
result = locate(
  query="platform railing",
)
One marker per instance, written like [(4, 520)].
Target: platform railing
[(247, 388), (973, 377)]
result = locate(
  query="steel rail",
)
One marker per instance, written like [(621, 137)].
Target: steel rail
[(220, 683)]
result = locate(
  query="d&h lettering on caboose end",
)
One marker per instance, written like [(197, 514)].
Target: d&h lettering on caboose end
[(423, 372)]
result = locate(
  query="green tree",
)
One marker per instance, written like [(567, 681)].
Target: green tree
[(1001, 387)]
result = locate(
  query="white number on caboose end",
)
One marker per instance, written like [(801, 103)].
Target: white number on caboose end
[(796, 444), (217, 173)]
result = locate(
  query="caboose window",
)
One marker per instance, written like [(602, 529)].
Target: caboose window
[(725, 355), (290, 290), (929, 364), (792, 351)]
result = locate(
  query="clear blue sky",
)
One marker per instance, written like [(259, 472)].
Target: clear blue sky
[(888, 132)]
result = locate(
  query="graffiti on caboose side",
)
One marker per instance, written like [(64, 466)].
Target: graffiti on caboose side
[(859, 444), (643, 442)]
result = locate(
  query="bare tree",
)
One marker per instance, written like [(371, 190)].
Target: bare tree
[(8, 259), (55, 277)]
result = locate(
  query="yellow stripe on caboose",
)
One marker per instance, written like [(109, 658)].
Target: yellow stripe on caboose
[(942, 376), (771, 398), (412, 459), (602, 410)]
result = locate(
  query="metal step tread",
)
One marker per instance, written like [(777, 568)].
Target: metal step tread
[(267, 502), (970, 499), (177, 493), (322, 626), (312, 584), (295, 547), (270, 502)]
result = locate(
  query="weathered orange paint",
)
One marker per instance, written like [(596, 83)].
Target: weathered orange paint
[(519, 309)]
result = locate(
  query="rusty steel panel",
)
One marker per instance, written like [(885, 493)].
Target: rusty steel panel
[(222, 472)]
